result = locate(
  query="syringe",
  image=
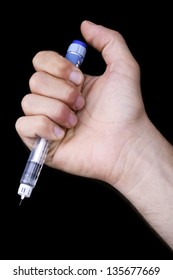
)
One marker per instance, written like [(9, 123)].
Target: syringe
[(75, 53)]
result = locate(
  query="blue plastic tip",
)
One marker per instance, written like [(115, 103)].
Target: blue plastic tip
[(80, 43)]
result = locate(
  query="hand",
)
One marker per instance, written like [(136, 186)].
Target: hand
[(111, 117)]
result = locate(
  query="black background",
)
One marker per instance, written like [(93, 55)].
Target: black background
[(68, 217)]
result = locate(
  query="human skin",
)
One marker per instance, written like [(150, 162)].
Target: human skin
[(98, 126)]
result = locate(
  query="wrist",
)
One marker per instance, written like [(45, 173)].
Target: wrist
[(147, 180), (139, 156)]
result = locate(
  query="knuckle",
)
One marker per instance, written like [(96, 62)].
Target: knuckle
[(39, 58), (18, 124), (118, 36), (70, 94), (42, 58), (26, 102), (43, 123), (35, 80), (60, 115)]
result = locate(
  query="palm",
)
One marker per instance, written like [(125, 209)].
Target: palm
[(91, 142)]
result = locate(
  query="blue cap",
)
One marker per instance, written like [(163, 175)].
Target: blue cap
[(76, 52)]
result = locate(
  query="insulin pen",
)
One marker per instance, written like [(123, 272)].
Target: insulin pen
[(75, 53)]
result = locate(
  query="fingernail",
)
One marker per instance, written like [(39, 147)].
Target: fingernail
[(79, 102), (72, 120), (59, 132), (76, 77)]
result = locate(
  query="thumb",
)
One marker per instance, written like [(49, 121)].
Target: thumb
[(107, 41)]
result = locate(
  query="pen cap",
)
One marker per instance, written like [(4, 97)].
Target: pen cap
[(76, 52)]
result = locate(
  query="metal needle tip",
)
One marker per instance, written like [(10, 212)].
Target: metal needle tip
[(20, 201)]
